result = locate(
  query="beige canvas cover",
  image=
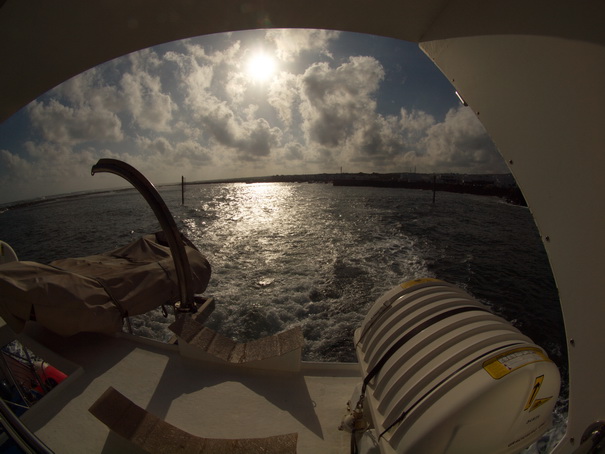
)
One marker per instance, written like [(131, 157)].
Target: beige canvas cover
[(94, 293)]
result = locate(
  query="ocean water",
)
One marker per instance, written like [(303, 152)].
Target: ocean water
[(318, 256)]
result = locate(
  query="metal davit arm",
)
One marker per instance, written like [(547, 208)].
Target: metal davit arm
[(155, 201)]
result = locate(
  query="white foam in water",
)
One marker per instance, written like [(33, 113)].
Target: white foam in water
[(284, 256), (551, 438), (318, 256)]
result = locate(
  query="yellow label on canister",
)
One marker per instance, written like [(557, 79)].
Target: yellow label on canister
[(506, 362), (534, 392)]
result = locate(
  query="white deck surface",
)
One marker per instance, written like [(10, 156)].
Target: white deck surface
[(206, 400)]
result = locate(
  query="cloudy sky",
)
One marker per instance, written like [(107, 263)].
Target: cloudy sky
[(246, 104)]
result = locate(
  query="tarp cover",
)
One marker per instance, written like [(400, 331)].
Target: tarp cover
[(92, 294)]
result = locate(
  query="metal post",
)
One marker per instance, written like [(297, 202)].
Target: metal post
[(182, 190)]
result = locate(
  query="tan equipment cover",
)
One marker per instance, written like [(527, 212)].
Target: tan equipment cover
[(95, 293)]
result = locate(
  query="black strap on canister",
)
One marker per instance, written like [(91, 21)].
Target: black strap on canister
[(410, 334)]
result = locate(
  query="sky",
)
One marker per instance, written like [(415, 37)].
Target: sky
[(239, 104)]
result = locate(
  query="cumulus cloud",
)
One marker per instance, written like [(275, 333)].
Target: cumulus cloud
[(60, 162), (251, 138), (291, 43), (416, 139), (341, 121), (92, 106), (54, 168), (162, 153), (257, 138), (194, 78), (460, 143), (294, 151), (12, 165), (145, 99), (215, 57), (202, 73), (379, 139), (150, 108), (236, 86), (284, 96), (72, 125), (338, 101), (192, 152), (225, 121), (91, 89), (414, 124)]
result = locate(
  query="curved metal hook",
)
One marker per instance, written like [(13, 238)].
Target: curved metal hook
[(162, 213)]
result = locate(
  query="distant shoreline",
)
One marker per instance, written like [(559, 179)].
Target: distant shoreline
[(498, 185), (54, 198)]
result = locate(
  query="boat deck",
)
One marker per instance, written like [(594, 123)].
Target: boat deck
[(205, 399)]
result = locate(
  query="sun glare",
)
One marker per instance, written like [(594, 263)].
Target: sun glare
[(260, 67)]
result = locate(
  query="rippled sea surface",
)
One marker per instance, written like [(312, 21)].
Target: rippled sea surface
[(317, 256)]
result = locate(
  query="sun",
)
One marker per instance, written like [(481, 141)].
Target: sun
[(260, 67)]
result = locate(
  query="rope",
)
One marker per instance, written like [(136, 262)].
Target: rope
[(386, 306), (116, 303), (412, 333)]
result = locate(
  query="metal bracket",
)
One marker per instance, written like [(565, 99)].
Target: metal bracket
[(162, 213)]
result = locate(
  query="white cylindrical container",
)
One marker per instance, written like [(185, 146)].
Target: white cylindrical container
[(443, 374)]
